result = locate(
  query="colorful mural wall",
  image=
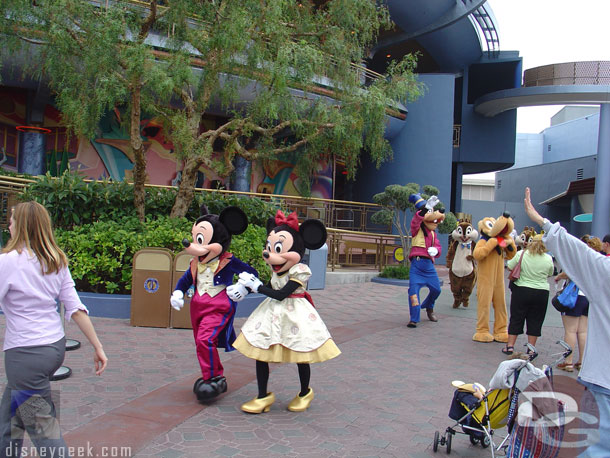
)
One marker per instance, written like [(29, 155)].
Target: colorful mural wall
[(107, 155)]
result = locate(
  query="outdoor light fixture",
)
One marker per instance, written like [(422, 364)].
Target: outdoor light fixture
[(42, 130)]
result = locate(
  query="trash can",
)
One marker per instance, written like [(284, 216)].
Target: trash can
[(151, 287), (316, 260), (181, 318)]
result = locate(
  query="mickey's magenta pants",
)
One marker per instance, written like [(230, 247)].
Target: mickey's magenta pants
[(209, 316)]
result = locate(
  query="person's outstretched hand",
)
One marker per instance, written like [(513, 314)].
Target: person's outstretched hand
[(101, 360), (530, 210)]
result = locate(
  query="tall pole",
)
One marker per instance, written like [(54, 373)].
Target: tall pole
[(601, 202)]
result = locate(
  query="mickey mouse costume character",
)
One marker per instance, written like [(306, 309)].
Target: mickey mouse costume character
[(285, 327), (425, 247), (212, 310)]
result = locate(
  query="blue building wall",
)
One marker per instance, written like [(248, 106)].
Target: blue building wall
[(422, 149), (572, 139), (487, 144), (528, 150), (547, 181)]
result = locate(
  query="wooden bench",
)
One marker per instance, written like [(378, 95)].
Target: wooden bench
[(351, 245)]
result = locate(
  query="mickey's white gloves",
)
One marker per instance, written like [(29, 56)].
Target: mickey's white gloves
[(250, 281), (237, 292), (432, 251), (431, 202), (177, 299)]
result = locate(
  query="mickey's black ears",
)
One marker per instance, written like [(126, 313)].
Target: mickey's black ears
[(313, 233), (234, 219)]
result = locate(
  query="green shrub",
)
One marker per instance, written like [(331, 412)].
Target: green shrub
[(101, 253), (398, 272), (72, 201), (257, 210), (4, 236)]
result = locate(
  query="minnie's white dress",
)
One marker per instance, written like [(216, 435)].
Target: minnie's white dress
[(288, 331)]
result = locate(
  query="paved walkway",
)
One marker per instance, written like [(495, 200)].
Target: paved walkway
[(385, 396)]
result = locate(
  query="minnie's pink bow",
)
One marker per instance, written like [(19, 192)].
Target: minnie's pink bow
[(292, 220)]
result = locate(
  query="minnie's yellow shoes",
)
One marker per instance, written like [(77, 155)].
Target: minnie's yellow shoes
[(260, 405), (300, 404), (257, 405)]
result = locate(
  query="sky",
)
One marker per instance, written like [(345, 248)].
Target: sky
[(550, 32)]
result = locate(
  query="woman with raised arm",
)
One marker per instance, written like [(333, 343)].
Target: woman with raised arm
[(590, 270), (34, 277)]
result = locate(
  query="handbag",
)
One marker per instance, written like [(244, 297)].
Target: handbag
[(516, 272), (565, 300)]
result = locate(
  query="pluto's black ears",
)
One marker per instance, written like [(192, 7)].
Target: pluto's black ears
[(234, 219), (314, 233)]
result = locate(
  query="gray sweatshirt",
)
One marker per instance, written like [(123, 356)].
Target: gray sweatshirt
[(590, 270)]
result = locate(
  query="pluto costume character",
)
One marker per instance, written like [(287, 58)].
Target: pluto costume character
[(213, 304), (495, 244), (462, 268), (425, 247)]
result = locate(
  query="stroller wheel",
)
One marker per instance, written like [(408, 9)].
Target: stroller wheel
[(436, 441), (485, 442), (474, 440), (448, 444)]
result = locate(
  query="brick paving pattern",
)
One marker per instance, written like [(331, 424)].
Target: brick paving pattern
[(384, 396)]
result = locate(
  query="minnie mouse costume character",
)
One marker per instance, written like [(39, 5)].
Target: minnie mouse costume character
[(285, 327), (212, 308)]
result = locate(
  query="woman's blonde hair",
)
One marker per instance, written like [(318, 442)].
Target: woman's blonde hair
[(536, 246), (592, 242), (32, 230)]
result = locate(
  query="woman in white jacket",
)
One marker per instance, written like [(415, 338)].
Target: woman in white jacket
[(590, 270)]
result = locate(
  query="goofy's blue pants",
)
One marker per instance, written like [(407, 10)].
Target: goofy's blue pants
[(422, 273)]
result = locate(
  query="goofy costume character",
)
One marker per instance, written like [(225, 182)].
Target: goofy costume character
[(211, 274), (425, 247)]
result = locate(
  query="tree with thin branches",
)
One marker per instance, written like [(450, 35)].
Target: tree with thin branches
[(285, 78)]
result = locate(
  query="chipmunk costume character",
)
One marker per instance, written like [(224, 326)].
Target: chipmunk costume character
[(212, 310), (285, 327), (462, 268), (425, 248), (495, 244), (525, 237)]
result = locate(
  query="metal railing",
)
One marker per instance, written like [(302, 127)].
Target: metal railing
[(484, 18), (568, 74), (340, 214), (457, 135), (353, 248), (352, 239)]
